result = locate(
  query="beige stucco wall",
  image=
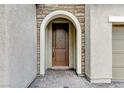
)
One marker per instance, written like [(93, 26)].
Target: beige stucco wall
[(100, 34), (20, 45)]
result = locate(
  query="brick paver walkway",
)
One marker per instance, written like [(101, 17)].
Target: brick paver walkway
[(68, 78)]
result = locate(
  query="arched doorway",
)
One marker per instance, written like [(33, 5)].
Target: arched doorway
[(46, 21)]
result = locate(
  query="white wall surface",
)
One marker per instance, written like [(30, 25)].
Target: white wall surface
[(20, 27), (101, 41)]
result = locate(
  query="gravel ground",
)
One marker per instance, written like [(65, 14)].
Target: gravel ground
[(68, 79)]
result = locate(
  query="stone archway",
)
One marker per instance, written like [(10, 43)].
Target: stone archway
[(74, 20)]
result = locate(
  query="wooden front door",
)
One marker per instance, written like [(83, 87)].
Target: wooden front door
[(60, 44)]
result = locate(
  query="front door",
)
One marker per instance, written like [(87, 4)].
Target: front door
[(60, 44)]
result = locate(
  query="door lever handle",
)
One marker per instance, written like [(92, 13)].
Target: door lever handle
[(53, 52)]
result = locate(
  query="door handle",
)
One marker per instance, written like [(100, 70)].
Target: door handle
[(53, 52)]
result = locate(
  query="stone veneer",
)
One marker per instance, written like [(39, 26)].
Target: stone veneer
[(78, 10)]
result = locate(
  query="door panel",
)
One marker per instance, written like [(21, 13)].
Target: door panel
[(60, 38), (60, 44), (118, 53)]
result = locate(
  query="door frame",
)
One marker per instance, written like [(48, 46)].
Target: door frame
[(47, 19)]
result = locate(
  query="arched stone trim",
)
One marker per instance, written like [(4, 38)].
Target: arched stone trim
[(74, 20)]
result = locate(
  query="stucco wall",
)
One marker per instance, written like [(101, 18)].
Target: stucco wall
[(87, 40), (101, 40), (18, 40), (3, 49), (21, 27)]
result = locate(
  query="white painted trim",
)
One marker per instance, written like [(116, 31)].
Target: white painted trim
[(70, 46), (47, 19), (50, 64), (116, 19)]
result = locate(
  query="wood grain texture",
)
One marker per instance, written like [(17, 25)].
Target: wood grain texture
[(60, 44)]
